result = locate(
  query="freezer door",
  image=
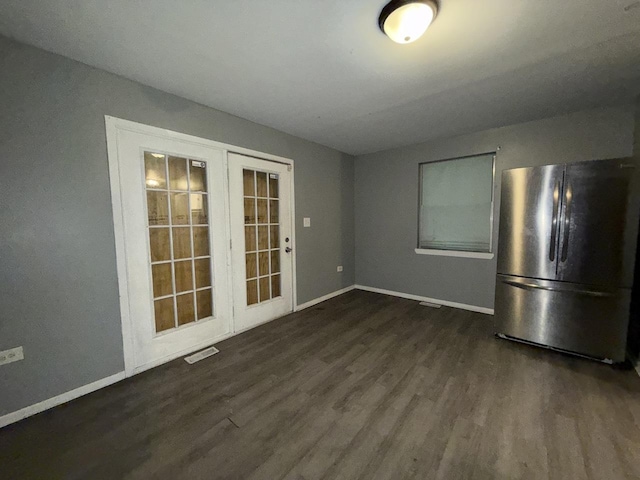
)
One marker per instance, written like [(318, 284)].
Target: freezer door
[(529, 212), (593, 222), (566, 316)]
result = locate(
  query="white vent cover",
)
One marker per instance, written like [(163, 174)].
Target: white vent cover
[(201, 355), (429, 304)]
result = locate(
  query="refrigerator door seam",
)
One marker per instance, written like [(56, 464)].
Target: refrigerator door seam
[(554, 222), (568, 194), (561, 213)]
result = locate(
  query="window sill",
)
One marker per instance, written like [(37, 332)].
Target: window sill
[(454, 253)]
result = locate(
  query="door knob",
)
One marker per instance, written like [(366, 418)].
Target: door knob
[(288, 250)]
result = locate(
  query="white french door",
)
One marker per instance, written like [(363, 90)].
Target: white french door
[(173, 205), (262, 244), (204, 240)]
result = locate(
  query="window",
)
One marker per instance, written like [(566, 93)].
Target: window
[(456, 199)]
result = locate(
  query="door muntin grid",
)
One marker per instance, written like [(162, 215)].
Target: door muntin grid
[(262, 236), (178, 231)]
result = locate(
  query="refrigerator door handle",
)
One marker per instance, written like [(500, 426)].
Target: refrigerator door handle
[(535, 286), (554, 222), (567, 223)]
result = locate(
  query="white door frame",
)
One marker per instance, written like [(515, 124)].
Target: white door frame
[(113, 125)]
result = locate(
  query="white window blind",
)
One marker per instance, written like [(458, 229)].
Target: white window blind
[(455, 204)]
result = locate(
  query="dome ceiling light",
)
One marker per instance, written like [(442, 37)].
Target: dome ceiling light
[(405, 21)]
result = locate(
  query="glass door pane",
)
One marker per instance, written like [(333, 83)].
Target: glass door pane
[(178, 225), (261, 235)]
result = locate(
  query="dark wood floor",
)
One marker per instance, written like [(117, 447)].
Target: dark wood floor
[(364, 386)]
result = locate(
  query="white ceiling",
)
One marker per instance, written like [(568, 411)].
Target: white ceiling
[(321, 69)]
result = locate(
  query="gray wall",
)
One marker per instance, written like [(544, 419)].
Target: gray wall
[(636, 148), (634, 321), (58, 285), (386, 198)]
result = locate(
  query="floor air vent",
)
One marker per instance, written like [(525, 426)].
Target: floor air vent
[(429, 304), (201, 355)]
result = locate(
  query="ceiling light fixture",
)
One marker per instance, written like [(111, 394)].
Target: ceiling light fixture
[(405, 21)]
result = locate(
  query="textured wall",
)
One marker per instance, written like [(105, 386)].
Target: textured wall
[(386, 198), (58, 285), (634, 322)]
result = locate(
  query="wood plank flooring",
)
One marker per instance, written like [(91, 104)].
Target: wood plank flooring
[(363, 386)]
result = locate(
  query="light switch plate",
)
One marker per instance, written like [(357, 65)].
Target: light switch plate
[(339, 268), (306, 222), (12, 355)]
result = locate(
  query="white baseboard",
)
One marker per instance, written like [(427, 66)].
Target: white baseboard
[(318, 300), (446, 303), (60, 399)]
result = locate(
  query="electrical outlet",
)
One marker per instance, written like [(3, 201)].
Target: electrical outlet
[(339, 268), (306, 222), (13, 355)]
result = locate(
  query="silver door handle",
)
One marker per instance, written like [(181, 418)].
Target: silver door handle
[(288, 250), (534, 286), (554, 222), (567, 223)]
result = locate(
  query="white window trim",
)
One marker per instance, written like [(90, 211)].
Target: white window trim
[(454, 253)]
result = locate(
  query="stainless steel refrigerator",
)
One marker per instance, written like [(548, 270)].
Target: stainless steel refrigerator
[(566, 255)]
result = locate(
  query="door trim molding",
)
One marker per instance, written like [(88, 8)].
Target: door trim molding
[(112, 126), (446, 303), (128, 125)]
